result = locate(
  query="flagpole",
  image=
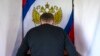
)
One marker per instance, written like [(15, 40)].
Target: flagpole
[(73, 21), (72, 4)]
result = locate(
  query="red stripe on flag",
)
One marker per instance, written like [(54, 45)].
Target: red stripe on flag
[(23, 2), (71, 34)]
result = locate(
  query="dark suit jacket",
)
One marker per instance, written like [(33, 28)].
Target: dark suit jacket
[(46, 40)]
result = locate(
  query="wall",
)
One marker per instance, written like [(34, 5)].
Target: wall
[(10, 16)]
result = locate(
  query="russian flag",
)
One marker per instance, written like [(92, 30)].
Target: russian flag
[(69, 29)]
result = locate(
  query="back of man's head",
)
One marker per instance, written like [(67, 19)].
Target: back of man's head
[(47, 18)]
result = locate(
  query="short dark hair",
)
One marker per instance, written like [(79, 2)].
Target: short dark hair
[(47, 16)]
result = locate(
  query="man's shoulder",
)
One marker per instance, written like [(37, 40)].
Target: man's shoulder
[(57, 27), (45, 26), (33, 28)]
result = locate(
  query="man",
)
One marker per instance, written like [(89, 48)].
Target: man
[(46, 40)]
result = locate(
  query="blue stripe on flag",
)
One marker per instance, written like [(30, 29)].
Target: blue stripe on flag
[(70, 23), (26, 7)]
